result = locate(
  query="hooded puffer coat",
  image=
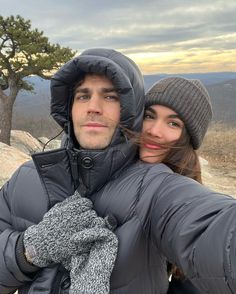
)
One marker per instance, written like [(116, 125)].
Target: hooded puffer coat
[(158, 213)]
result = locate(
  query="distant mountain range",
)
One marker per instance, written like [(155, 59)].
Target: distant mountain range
[(206, 78), (221, 87)]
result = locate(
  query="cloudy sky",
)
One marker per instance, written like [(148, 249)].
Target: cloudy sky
[(172, 36)]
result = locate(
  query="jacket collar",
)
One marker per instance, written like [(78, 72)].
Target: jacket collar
[(96, 168), (87, 170)]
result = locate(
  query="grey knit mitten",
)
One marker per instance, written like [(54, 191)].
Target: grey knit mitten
[(49, 241), (92, 265)]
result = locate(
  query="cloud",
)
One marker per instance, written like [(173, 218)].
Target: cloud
[(133, 26)]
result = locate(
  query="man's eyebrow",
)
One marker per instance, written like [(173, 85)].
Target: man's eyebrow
[(86, 90), (106, 90), (81, 90)]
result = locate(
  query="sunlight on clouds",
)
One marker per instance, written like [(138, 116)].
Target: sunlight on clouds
[(219, 41), (194, 60)]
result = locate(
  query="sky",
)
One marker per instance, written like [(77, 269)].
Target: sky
[(172, 36)]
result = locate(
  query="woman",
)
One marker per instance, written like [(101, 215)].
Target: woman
[(170, 135), (175, 129)]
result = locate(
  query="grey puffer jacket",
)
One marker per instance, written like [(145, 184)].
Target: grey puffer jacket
[(159, 214)]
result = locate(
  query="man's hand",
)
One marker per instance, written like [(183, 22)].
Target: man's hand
[(92, 264), (49, 241)]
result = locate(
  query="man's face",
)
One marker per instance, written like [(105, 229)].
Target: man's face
[(95, 112)]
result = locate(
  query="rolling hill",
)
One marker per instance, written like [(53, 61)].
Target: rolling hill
[(34, 107)]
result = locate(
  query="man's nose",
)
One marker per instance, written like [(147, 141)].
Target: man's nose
[(95, 104)]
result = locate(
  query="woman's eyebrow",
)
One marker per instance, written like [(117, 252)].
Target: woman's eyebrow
[(150, 109)]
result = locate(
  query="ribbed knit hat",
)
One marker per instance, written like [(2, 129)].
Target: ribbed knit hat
[(189, 99)]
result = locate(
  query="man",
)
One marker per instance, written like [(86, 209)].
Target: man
[(91, 96), (158, 213)]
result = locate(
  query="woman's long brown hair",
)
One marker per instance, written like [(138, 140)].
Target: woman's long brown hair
[(183, 159)]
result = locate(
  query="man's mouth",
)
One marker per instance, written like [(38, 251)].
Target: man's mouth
[(94, 125)]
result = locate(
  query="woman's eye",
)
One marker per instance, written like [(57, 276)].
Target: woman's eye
[(175, 124)]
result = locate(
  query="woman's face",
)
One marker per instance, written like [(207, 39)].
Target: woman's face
[(161, 126)]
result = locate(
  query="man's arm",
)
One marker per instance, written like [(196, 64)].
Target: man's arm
[(11, 274)]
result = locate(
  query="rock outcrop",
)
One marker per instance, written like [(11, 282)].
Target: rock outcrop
[(22, 146), (219, 180), (49, 145), (11, 158), (25, 142)]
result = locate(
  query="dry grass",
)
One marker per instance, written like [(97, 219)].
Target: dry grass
[(219, 146)]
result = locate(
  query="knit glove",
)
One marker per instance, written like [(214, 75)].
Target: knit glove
[(93, 262), (49, 241)]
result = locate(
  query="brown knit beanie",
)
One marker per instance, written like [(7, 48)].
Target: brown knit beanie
[(189, 99)]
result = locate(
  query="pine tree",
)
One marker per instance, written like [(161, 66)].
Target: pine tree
[(23, 52)]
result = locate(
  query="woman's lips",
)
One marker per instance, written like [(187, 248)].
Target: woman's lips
[(152, 146)]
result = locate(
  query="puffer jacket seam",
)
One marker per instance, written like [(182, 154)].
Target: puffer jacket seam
[(140, 186), (129, 282), (43, 184), (229, 270), (138, 197), (135, 213), (230, 242), (9, 190), (17, 175)]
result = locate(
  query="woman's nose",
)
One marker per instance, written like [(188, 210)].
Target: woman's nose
[(156, 129)]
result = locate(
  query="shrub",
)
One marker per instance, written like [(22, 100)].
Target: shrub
[(219, 146)]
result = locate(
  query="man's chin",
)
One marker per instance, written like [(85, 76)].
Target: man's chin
[(94, 141), (94, 145)]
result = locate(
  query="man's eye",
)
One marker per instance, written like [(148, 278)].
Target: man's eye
[(112, 97), (81, 97)]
